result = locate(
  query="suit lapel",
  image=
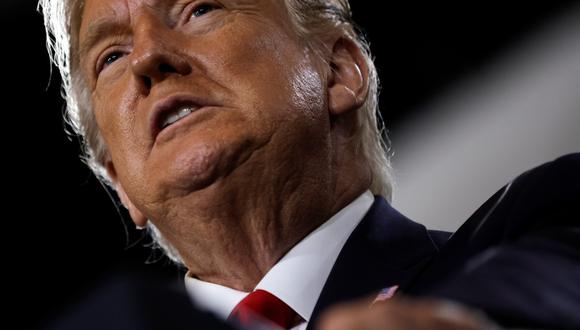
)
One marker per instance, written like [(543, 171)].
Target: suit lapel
[(385, 249)]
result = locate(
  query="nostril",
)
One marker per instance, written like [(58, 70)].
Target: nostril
[(154, 67), (147, 82), (166, 68)]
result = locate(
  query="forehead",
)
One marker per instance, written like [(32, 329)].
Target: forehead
[(105, 17), (122, 10)]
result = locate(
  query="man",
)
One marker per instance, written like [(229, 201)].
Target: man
[(243, 134)]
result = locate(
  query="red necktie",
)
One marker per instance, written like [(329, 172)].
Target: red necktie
[(260, 305)]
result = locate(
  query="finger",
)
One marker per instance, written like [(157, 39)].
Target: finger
[(351, 316)]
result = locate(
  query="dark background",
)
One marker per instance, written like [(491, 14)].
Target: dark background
[(63, 232)]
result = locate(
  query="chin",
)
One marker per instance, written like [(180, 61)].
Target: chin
[(201, 160), (193, 169)]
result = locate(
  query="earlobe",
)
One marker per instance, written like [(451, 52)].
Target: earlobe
[(138, 218), (348, 81), (341, 100)]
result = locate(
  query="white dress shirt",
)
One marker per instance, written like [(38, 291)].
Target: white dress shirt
[(298, 278)]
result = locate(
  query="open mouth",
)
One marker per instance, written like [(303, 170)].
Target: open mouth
[(172, 110), (176, 115)]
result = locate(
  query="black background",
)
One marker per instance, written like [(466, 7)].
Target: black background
[(63, 234)]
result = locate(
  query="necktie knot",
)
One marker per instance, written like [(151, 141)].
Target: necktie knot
[(261, 305)]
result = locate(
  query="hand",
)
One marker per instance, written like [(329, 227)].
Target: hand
[(403, 313)]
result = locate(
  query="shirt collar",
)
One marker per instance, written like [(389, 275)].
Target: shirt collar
[(298, 278)]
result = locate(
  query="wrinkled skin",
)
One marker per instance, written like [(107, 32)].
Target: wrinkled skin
[(266, 156)]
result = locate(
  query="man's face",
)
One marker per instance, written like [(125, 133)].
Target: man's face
[(193, 95)]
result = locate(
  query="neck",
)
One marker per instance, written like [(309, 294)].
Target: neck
[(237, 236)]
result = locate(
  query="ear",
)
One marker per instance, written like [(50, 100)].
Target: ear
[(138, 218), (348, 83)]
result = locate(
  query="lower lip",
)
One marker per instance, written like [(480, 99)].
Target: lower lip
[(193, 118)]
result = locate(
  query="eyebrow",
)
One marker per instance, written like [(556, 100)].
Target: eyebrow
[(99, 30), (105, 27)]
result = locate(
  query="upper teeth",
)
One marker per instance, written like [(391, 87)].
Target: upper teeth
[(176, 115)]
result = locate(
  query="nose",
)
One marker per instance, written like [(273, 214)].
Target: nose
[(156, 56)]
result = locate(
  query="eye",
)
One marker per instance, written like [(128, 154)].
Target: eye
[(203, 9), (108, 59)]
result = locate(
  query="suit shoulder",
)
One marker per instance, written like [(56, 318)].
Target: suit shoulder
[(571, 159), (561, 174), (567, 166), (548, 194)]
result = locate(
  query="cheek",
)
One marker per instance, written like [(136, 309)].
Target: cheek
[(107, 120), (308, 92), (247, 53), (117, 125), (266, 68)]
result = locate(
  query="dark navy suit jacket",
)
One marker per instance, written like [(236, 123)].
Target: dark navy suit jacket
[(517, 258)]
